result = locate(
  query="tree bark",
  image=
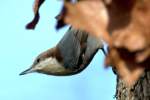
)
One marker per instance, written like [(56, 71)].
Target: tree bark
[(140, 91)]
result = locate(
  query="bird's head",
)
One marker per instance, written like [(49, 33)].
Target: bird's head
[(47, 63)]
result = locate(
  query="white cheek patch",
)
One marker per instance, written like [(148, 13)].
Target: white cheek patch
[(51, 63)]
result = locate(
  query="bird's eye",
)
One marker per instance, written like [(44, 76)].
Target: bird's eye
[(38, 60)]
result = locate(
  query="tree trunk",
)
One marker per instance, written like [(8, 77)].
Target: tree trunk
[(140, 91)]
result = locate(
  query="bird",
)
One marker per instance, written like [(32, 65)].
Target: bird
[(70, 56)]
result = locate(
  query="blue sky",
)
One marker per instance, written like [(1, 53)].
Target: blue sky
[(19, 47)]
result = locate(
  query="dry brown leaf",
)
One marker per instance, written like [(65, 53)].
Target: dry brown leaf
[(35, 20), (60, 18), (143, 55), (88, 15), (130, 28), (134, 31), (125, 64)]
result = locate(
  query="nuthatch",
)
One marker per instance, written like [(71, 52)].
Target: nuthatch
[(70, 56)]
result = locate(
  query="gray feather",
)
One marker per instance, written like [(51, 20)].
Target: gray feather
[(93, 45), (72, 51), (70, 48)]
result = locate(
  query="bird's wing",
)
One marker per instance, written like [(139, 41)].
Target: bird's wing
[(70, 48), (93, 45)]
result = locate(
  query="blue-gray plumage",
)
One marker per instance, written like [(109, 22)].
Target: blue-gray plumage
[(70, 50), (71, 55)]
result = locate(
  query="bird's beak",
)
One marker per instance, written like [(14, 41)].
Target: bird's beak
[(30, 70)]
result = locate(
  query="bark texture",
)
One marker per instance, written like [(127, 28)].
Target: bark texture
[(140, 91)]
